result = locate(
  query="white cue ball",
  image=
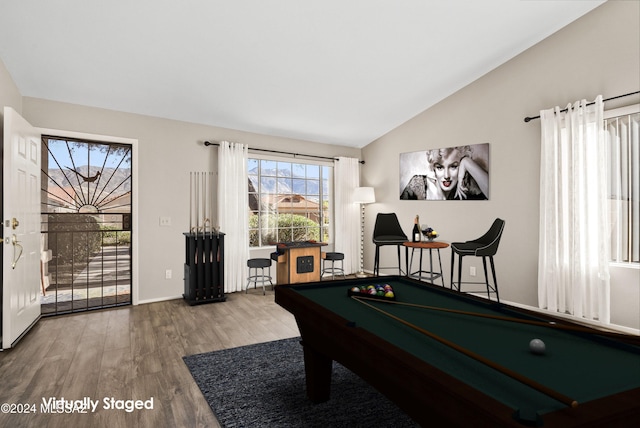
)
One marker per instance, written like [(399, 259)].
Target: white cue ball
[(537, 346)]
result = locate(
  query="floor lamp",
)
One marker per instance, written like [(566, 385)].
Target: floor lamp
[(363, 196)]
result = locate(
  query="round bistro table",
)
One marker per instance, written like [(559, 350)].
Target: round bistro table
[(426, 275)]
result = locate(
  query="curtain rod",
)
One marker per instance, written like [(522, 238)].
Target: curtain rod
[(528, 119), (209, 143)]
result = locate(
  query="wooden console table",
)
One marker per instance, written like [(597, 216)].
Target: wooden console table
[(298, 262)]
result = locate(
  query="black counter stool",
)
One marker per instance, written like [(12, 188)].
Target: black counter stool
[(261, 278), (387, 231), (333, 269), (486, 247)]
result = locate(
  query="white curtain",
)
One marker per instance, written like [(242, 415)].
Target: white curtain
[(573, 272), (347, 214), (233, 213)]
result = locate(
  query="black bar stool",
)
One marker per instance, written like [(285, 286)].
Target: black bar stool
[(333, 270), (387, 231), (261, 278), (486, 247)]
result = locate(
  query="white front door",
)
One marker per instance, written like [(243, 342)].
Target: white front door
[(21, 228)]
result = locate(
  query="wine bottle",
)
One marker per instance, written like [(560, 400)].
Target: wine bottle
[(415, 235)]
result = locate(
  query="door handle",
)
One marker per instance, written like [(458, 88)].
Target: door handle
[(14, 223), (15, 243)]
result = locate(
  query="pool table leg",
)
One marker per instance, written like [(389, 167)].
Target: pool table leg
[(317, 368)]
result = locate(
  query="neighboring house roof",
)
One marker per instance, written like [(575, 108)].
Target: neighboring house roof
[(294, 202)]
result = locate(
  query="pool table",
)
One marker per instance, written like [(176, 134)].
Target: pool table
[(438, 385)]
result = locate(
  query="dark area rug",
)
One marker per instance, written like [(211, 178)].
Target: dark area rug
[(263, 385)]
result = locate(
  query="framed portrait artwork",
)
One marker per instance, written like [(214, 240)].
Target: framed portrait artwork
[(451, 173)]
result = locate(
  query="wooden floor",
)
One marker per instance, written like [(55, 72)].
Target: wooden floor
[(132, 353)]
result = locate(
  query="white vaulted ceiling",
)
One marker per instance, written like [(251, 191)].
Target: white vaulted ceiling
[(333, 71)]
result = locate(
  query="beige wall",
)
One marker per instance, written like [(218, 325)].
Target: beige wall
[(598, 54), (9, 94)]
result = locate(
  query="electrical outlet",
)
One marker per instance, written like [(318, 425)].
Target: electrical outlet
[(168, 274), (165, 221), (472, 271)]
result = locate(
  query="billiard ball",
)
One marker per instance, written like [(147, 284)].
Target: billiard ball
[(389, 294), (537, 346), (373, 291), (355, 290)]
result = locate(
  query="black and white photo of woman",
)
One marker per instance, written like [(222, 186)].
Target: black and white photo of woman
[(452, 173)]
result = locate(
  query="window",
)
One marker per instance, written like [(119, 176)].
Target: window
[(623, 139), (288, 201)]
